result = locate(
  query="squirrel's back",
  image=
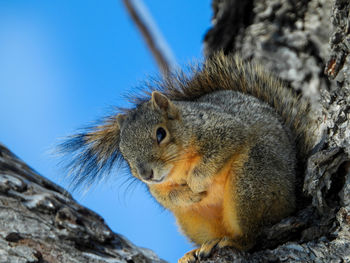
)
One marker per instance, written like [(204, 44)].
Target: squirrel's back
[(230, 72)]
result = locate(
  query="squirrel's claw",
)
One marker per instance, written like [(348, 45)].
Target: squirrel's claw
[(189, 257), (205, 250)]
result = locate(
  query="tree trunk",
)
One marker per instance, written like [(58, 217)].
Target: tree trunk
[(305, 43)]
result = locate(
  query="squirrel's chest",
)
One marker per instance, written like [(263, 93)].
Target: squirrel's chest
[(204, 220), (210, 217)]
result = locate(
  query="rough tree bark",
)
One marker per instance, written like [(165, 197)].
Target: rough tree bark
[(301, 41), (306, 43), (41, 223)]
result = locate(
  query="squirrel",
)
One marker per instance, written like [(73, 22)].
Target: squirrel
[(218, 147)]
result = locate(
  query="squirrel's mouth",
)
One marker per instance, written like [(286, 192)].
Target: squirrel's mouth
[(154, 180), (158, 177), (158, 180)]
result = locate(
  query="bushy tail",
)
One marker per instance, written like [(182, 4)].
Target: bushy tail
[(92, 153)]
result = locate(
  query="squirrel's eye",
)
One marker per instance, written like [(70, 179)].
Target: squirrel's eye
[(160, 133)]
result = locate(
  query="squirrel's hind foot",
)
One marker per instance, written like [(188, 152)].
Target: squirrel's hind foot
[(206, 249)]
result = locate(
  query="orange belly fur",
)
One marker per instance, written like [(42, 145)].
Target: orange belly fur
[(206, 219), (203, 221)]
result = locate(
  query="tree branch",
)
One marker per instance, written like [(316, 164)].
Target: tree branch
[(155, 42)]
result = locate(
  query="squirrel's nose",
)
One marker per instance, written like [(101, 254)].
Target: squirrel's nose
[(145, 172)]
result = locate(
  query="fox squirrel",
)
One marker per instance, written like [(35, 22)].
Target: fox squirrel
[(218, 148)]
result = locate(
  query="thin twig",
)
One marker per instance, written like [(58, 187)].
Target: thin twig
[(153, 38)]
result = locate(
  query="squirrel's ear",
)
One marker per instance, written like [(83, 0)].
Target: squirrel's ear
[(120, 119), (160, 101)]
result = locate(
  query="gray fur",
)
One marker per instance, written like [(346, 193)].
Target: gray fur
[(226, 96)]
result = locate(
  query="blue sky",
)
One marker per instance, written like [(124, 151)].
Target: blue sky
[(63, 65)]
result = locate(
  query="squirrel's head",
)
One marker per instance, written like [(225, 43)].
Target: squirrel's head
[(147, 138), (143, 136)]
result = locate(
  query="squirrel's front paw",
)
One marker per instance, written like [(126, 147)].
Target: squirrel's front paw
[(183, 195), (198, 181), (197, 197)]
